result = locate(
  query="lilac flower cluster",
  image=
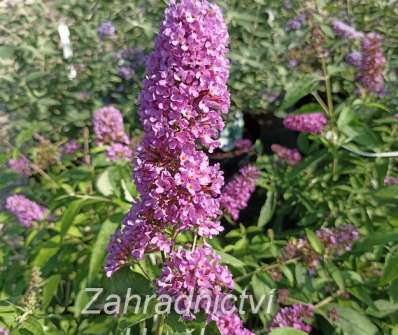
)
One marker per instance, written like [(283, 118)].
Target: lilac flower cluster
[(336, 241), (297, 316), (4, 331), (308, 123), (389, 181), (291, 156), (243, 144), (292, 63), (71, 147), (197, 274), (136, 239), (130, 60), (181, 105), (231, 324), (301, 248), (237, 192), (344, 30), (25, 210), (126, 72), (109, 131), (295, 23), (109, 126), (184, 94), (21, 166), (354, 58), (118, 151), (106, 30), (372, 64)]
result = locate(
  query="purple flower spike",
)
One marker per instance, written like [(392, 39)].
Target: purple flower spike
[(106, 30), (307, 123), (243, 144), (21, 166), (184, 95), (197, 273), (297, 316), (389, 181), (291, 156), (126, 72), (119, 151), (354, 58), (70, 147), (231, 324), (336, 241), (372, 64), (109, 126), (344, 30), (238, 191), (25, 210), (295, 23)]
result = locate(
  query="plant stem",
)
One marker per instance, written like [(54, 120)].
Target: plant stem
[(86, 135), (321, 102), (328, 300), (329, 97), (159, 330), (332, 116), (194, 242), (144, 272), (266, 267)]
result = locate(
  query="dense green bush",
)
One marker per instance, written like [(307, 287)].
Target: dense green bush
[(275, 71)]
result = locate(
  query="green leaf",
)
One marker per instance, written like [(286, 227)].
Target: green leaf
[(82, 298), (336, 275), (268, 209), (47, 250), (306, 164), (33, 326), (7, 178), (25, 135), (50, 289), (132, 319), (99, 248), (72, 211), (374, 239), (299, 89), (346, 117), (261, 289), (5, 307), (6, 51), (387, 193), (383, 308), (104, 184), (288, 274), (393, 290), (124, 279), (230, 260), (390, 269), (175, 323), (70, 214), (287, 331), (353, 322), (363, 294), (315, 242)]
